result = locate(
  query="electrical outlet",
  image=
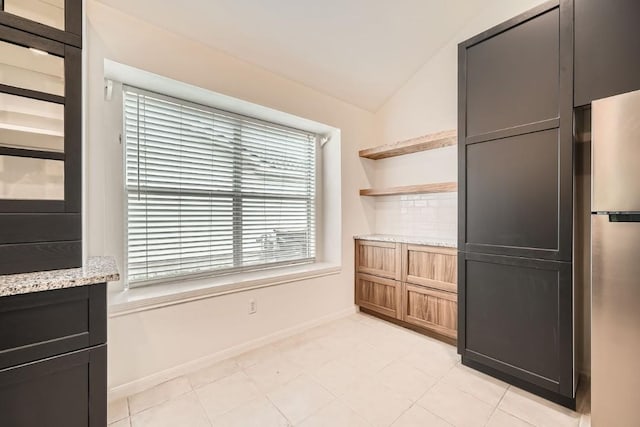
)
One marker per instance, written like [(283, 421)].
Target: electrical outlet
[(253, 306)]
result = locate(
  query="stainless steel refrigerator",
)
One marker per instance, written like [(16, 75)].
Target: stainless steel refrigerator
[(615, 261)]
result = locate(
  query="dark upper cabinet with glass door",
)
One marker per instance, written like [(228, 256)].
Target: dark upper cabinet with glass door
[(40, 135), (59, 20)]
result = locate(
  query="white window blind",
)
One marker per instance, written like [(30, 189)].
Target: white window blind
[(211, 191)]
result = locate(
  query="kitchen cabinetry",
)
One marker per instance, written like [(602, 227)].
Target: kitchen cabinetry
[(53, 351), (517, 320), (516, 201), (40, 136), (379, 294), (607, 42), (53, 358), (59, 20), (413, 284)]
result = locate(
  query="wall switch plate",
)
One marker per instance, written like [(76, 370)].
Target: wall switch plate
[(253, 306)]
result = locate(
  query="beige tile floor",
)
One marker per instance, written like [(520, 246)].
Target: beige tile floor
[(356, 371)]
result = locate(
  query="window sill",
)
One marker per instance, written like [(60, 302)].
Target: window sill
[(161, 295)]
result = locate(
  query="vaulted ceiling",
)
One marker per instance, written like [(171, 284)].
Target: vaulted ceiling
[(360, 51)]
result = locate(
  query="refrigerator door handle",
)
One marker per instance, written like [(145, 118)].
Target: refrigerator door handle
[(624, 217)]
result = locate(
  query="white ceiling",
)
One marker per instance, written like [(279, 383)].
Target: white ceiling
[(360, 51)]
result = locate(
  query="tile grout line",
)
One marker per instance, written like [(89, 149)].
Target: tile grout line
[(509, 412), (495, 408)]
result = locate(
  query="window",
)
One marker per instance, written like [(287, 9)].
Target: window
[(211, 192)]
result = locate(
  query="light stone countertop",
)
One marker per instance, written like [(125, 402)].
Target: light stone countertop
[(96, 270), (415, 240)]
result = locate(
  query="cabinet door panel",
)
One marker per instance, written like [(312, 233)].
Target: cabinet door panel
[(433, 267), (59, 20), (378, 258), (431, 309), (379, 294), (516, 72), (44, 324), (512, 188), (517, 318), (607, 42), (68, 390), (49, 13)]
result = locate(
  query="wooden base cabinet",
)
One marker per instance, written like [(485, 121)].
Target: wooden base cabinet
[(379, 294), (430, 309), (413, 284)]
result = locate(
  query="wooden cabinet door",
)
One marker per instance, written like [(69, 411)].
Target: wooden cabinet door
[(382, 259), (430, 266), (379, 294), (607, 42), (431, 309)]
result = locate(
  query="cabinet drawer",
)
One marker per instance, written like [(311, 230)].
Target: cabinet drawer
[(68, 390), (431, 309), (379, 294), (379, 258), (432, 267), (44, 324)]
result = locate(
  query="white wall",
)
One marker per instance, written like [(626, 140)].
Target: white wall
[(428, 103), (149, 345)]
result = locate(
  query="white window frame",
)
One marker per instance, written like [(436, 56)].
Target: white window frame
[(212, 274)]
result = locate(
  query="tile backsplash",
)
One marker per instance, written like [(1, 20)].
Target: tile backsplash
[(425, 215)]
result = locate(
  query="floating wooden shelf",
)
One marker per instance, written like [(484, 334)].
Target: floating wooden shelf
[(440, 187), (422, 143)]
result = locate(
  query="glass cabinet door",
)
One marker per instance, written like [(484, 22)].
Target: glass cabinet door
[(40, 135), (30, 68), (34, 163), (47, 12), (28, 178), (31, 124)]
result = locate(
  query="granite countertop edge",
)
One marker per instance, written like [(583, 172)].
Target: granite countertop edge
[(408, 239), (96, 270)]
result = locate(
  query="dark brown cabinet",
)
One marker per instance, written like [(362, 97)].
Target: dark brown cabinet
[(517, 320), (40, 136), (516, 72), (607, 43), (516, 149), (513, 187), (53, 358), (59, 20), (515, 142), (66, 390)]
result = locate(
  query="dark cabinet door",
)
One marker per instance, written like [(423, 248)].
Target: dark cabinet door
[(515, 201), (44, 324), (516, 74), (40, 153), (512, 187), (607, 47), (63, 391), (517, 318), (516, 136), (59, 20)]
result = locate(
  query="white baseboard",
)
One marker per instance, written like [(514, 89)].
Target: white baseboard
[(153, 380)]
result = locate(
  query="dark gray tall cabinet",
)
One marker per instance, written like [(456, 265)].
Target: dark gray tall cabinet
[(607, 43), (516, 201), (40, 135)]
